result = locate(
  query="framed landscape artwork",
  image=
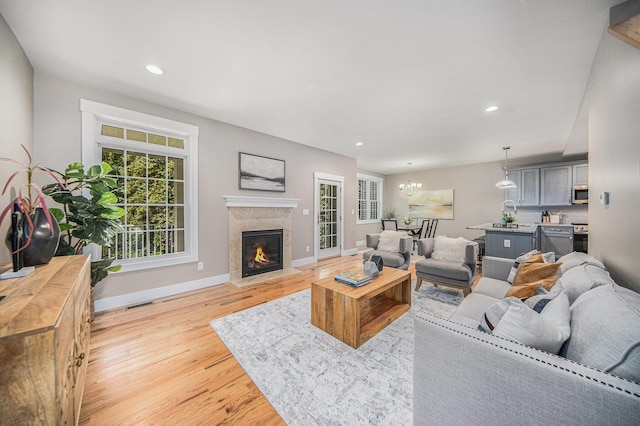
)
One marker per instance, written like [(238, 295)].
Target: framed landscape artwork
[(261, 173), (434, 204)]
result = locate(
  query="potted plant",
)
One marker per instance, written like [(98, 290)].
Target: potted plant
[(389, 213), (40, 231), (93, 218)]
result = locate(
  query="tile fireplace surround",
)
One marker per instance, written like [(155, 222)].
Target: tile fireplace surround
[(255, 214)]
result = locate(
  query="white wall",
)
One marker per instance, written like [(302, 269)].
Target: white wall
[(614, 159), (57, 139), (16, 116)]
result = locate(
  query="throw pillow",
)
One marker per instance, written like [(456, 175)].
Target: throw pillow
[(580, 279), (546, 331), (449, 249), (534, 269), (390, 241), (542, 297), (548, 257), (524, 291), (577, 258)]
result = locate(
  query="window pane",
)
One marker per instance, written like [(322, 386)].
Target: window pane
[(157, 192), (157, 139), (137, 216), (114, 132), (176, 217), (175, 168), (134, 135), (157, 166), (136, 191), (136, 164), (115, 158), (176, 143), (158, 217)]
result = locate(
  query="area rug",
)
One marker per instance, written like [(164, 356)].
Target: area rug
[(311, 378)]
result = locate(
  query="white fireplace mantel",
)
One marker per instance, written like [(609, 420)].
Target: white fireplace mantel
[(247, 201)]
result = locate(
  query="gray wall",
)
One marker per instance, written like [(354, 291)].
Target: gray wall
[(475, 198), (16, 115), (58, 139), (614, 159)]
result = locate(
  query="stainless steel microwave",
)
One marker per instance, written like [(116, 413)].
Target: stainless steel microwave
[(581, 194)]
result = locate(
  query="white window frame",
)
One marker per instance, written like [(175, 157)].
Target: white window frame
[(368, 179), (93, 114)]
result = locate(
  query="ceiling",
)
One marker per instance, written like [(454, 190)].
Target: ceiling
[(410, 79)]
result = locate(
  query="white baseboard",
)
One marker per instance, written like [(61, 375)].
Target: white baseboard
[(303, 261), (157, 293), (361, 243), (349, 252)]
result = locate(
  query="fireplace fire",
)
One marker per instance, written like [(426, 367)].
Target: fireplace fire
[(261, 251)]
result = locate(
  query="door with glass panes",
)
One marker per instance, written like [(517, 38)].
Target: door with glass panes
[(328, 218)]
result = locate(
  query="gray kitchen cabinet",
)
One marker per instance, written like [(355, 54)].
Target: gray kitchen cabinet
[(508, 244), (580, 174), (528, 191), (555, 185), (558, 239)]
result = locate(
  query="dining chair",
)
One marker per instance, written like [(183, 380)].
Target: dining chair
[(389, 225), (431, 232)]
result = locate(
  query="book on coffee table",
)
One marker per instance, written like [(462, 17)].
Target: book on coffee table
[(355, 279)]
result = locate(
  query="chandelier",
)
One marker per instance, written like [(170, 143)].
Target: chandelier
[(506, 183), (410, 187)]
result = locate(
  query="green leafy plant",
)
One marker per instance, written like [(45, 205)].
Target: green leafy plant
[(29, 197), (507, 217), (389, 213), (89, 214)]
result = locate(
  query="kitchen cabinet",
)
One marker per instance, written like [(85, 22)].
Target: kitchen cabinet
[(580, 174), (527, 192), (508, 244), (558, 239), (556, 184), (44, 343)]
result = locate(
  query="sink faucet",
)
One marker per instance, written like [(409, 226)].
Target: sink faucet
[(515, 209)]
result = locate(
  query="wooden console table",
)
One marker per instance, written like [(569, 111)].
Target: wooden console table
[(44, 343), (356, 314)]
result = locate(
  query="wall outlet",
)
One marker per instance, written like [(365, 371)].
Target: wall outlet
[(200, 266), (507, 243), (305, 212), (307, 249)]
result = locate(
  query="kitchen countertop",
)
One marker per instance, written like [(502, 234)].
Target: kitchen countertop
[(523, 228)]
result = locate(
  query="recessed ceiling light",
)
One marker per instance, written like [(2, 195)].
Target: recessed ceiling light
[(154, 69), (359, 143), (491, 108)]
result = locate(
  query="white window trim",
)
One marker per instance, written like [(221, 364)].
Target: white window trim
[(92, 112), (380, 181)]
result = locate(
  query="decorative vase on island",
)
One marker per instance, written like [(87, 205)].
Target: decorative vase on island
[(44, 240)]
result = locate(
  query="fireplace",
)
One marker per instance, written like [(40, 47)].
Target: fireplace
[(261, 251)]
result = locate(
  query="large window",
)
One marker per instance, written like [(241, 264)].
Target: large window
[(369, 199), (155, 163)]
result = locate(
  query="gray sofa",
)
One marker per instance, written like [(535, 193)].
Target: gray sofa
[(400, 258), (466, 376)]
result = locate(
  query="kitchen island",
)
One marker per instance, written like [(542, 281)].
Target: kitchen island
[(508, 241)]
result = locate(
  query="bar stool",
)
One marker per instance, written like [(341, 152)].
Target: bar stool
[(481, 246)]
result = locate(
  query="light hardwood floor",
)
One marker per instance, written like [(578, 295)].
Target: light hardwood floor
[(163, 364)]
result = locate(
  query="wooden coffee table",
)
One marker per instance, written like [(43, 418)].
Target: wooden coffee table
[(356, 314)]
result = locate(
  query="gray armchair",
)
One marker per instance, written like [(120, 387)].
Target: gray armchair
[(400, 259), (454, 274)]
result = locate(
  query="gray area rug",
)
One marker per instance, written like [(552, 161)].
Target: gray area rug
[(311, 378)]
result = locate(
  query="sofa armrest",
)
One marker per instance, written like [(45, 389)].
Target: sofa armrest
[(465, 376), (496, 267), (372, 240)]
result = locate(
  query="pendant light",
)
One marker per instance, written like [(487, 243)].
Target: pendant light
[(410, 187), (506, 183)]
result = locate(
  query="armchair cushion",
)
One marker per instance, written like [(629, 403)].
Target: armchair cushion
[(453, 270), (390, 241), (449, 249)]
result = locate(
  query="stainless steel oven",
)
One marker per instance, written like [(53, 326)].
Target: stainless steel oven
[(581, 237)]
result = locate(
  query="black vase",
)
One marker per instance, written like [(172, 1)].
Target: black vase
[(44, 240)]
